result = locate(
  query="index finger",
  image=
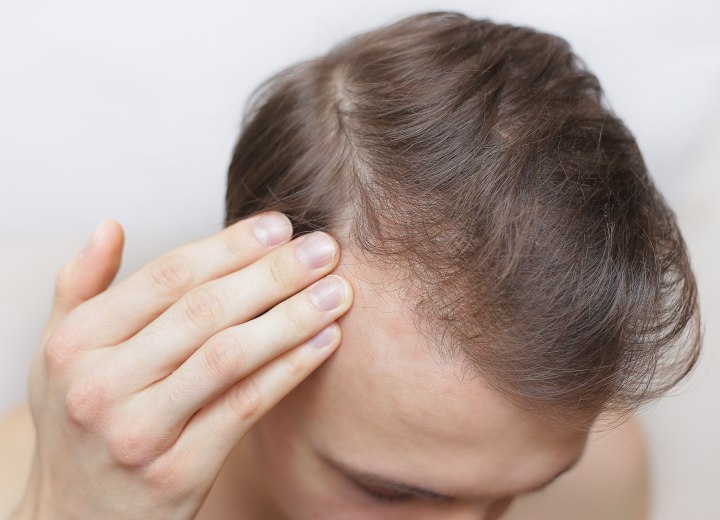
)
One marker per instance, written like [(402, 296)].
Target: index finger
[(125, 308)]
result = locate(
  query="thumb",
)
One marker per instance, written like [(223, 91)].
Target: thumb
[(90, 272)]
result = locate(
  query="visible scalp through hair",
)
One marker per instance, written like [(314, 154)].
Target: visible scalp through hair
[(481, 160)]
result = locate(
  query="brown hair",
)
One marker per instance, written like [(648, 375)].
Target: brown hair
[(481, 160)]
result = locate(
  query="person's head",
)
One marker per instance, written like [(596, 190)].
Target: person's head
[(516, 271)]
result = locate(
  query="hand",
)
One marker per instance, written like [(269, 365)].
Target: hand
[(140, 391)]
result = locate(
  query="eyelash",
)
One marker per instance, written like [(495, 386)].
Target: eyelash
[(382, 497)]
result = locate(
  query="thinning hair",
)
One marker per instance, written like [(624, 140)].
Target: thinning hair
[(483, 162)]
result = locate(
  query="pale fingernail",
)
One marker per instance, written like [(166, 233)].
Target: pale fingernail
[(328, 293), (90, 243), (272, 228), (315, 250), (324, 338)]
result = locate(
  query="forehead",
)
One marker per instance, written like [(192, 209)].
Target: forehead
[(393, 405)]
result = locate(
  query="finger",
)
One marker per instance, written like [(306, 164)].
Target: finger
[(118, 313), (170, 340), (236, 352), (89, 272), (219, 426)]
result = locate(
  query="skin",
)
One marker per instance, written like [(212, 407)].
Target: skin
[(383, 402)]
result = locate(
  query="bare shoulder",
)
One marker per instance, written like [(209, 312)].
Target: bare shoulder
[(17, 441), (611, 481)]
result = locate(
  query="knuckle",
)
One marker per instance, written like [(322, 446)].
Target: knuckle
[(221, 355), (295, 320), (132, 447), (86, 402), (171, 273), (167, 475), (279, 272), (295, 366), (175, 395), (204, 309), (245, 401), (237, 241)]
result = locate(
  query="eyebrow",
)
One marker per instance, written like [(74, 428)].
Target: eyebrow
[(364, 477)]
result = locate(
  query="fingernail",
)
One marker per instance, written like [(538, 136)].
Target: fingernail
[(328, 293), (272, 228), (315, 250), (90, 243), (323, 338)]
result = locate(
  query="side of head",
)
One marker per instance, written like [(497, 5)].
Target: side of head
[(480, 165)]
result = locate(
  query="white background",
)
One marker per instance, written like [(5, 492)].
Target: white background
[(130, 109)]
